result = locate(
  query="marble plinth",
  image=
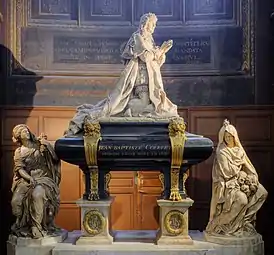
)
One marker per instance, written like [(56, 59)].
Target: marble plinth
[(252, 245), (94, 222), (143, 245), (174, 222), (30, 246)]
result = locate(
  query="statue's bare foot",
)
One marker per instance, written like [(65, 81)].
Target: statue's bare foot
[(36, 234)]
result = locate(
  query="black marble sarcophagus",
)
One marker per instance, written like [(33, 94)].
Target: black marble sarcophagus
[(112, 144)]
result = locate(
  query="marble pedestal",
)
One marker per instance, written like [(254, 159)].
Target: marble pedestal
[(174, 222), (94, 222), (30, 246), (252, 245)]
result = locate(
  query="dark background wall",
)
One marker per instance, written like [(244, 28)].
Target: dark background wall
[(68, 53), (216, 44)]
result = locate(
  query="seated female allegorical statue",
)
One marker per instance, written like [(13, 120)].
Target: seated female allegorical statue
[(237, 194), (37, 174), (139, 92)]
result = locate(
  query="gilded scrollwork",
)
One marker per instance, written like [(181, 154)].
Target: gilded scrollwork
[(94, 190), (185, 176), (94, 222), (162, 180), (174, 222), (177, 139), (92, 136), (107, 181)]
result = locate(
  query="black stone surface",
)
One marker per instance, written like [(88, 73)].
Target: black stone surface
[(133, 146)]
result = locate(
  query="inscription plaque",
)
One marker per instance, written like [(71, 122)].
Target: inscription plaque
[(190, 50), (153, 149), (87, 50)]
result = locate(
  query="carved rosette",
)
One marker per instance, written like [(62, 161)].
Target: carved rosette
[(94, 222), (177, 139), (92, 136), (174, 222)]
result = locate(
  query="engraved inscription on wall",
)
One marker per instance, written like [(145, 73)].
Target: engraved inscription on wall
[(190, 50), (87, 50)]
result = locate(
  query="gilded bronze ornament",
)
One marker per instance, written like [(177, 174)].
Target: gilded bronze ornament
[(94, 222), (177, 139), (107, 181), (92, 136), (174, 222), (162, 180), (185, 176)]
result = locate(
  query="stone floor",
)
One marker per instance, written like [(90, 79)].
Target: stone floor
[(137, 243)]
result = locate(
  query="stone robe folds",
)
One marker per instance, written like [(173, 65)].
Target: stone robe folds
[(231, 211), (137, 50)]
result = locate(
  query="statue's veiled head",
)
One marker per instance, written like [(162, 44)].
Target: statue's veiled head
[(148, 23), (21, 132), (229, 135)]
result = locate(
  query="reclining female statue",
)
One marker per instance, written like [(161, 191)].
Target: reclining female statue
[(237, 194), (35, 201), (139, 91)]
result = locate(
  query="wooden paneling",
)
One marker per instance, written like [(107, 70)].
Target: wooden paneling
[(255, 129), (149, 189), (69, 217), (135, 197), (123, 209)]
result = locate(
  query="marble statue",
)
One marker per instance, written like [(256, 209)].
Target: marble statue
[(37, 175), (237, 194), (139, 92)]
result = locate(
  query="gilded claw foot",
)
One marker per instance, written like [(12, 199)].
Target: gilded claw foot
[(175, 195), (93, 196)]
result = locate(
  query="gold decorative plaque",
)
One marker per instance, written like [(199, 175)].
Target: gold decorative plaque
[(94, 222), (174, 222)]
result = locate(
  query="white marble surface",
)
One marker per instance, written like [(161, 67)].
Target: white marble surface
[(30, 246), (143, 245)]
